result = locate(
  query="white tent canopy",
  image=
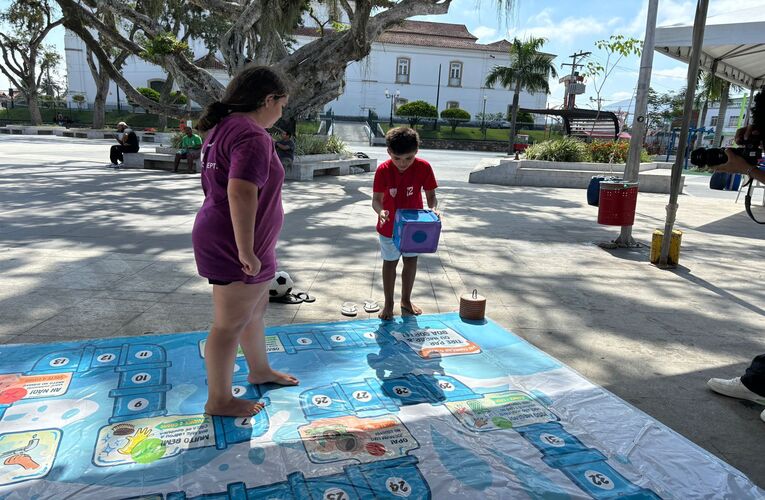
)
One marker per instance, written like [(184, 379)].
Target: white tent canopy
[(734, 45)]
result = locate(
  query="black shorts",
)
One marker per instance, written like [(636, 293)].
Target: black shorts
[(218, 282)]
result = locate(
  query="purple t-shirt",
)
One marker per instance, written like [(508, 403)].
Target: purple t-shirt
[(238, 148)]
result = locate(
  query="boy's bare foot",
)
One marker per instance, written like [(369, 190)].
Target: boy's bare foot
[(235, 407), (272, 377), (411, 309), (386, 313)]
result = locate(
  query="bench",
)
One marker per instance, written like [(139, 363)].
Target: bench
[(156, 161), (306, 170)]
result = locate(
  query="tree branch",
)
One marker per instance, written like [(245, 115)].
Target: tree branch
[(124, 10), (232, 10)]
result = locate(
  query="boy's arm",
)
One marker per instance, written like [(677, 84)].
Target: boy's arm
[(432, 200), (377, 205)]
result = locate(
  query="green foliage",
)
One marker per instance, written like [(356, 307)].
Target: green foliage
[(164, 44), (455, 116), (613, 152), (566, 149), (176, 140), (617, 47), (417, 110), (78, 98), (178, 98), (528, 68), (319, 144), (149, 93)]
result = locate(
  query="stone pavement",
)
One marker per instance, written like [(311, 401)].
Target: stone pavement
[(86, 251)]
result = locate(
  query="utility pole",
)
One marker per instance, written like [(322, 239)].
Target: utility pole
[(632, 167), (571, 92)]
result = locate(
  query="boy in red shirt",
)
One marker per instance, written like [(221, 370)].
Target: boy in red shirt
[(399, 183)]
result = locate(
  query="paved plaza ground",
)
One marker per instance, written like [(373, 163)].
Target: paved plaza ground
[(87, 251)]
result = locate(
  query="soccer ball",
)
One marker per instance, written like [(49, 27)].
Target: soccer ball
[(281, 285)]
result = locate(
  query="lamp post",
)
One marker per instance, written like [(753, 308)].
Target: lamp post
[(392, 96), (483, 118)]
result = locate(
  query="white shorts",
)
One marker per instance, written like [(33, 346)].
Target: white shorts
[(389, 250)]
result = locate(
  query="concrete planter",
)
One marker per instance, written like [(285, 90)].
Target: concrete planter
[(652, 178), (315, 158), (166, 150)]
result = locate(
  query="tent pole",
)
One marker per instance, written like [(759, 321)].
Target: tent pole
[(677, 169), (632, 169)]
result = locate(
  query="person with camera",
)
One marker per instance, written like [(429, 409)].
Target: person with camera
[(751, 385)]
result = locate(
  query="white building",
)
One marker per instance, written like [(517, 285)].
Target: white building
[(732, 115), (405, 60)]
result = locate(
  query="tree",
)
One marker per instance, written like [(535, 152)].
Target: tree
[(79, 100), (529, 69), (417, 110), (617, 47), (259, 31), (455, 116), (25, 58), (117, 58), (524, 118)]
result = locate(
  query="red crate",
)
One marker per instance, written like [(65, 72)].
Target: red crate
[(617, 203)]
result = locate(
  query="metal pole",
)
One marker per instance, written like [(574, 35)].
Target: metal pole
[(632, 168), (483, 118), (392, 96), (438, 95), (677, 169)]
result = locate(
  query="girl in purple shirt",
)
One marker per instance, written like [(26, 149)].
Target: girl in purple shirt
[(236, 230)]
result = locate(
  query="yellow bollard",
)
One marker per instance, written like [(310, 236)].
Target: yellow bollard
[(674, 246)]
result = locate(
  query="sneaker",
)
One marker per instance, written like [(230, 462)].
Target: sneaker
[(111, 165), (735, 389)]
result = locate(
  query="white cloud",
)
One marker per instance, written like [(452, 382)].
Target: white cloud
[(682, 12), (620, 96), (566, 30), (484, 34), (676, 73)]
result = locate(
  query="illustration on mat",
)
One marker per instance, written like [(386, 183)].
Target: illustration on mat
[(428, 407)]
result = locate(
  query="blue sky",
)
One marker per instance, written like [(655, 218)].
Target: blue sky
[(569, 27)]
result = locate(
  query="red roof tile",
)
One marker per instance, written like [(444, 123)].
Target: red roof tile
[(210, 62), (427, 34)]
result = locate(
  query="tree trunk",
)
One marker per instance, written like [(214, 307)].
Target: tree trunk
[(99, 103), (700, 124), (34, 109), (164, 99), (514, 119), (721, 115)]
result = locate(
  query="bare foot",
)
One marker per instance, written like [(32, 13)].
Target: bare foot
[(386, 313), (411, 309), (272, 377), (235, 407)]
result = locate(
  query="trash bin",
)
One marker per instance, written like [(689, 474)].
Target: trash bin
[(593, 190), (724, 181), (617, 203)]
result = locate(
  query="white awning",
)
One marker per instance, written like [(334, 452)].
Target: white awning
[(734, 46)]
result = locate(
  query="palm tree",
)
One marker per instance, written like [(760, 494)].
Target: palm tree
[(529, 69), (713, 89)]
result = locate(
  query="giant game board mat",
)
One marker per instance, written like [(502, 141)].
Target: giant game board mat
[(420, 408)]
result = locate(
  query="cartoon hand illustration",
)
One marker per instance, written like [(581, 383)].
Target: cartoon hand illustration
[(133, 440), (23, 460)]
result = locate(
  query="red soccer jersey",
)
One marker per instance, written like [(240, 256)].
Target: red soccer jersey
[(402, 189)]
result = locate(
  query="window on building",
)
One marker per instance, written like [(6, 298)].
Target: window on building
[(455, 74), (732, 121), (402, 70), (713, 123), (156, 85), (452, 104)]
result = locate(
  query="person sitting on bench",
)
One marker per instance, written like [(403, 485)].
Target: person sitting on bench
[(128, 143), (191, 147)]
